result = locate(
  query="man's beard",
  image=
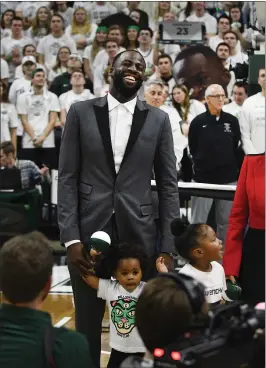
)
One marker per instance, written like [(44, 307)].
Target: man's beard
[(125, 91)]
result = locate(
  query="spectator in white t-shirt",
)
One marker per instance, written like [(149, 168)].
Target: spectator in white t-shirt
[(38, 112), (240, 94), (6, 20), (201, 15), (223, 26), (60, 66), (81, 30), (252, 120), (28, 50), (23, 84), (92, 50), (146, 50), (236, 55), (4, 72), (100, 10), (112, 49), (78, 93), (164, 71), (223, 53), (154, 96), (61, 8), (115, 34), (49, 45), (11, 47), (9, 118), (199, 246), (40, 25)]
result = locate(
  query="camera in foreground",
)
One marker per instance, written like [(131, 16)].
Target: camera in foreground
[(234, 338)]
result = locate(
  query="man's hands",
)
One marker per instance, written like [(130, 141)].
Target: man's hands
[(77, 258)]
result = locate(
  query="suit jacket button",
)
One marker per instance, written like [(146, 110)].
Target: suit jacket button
[(116, 191)]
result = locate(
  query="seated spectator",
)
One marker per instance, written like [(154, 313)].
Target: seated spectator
[(78, 93), (236, 55), (27, 336), (30, 174), (92, 50), (49, 45), (9, 118), (28, 50), (61, 84), (60, 66), (40, 25), (81, 30)]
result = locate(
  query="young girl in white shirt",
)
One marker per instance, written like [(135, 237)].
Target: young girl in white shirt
[(198, 244), (127, 264)]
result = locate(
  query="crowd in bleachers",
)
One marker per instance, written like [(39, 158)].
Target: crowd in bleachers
[(54, 54)]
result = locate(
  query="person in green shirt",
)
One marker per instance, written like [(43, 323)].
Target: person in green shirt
[(27, 337)]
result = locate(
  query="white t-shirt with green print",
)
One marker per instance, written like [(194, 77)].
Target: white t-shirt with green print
[(124, 336)]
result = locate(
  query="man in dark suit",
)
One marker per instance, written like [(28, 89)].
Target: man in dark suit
[(109, 148)]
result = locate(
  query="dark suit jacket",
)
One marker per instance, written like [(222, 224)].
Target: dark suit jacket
[(89, 190)]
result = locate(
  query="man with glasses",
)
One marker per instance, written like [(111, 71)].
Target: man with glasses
[(213, 139)]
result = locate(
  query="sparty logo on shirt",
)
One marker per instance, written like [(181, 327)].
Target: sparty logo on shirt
[(123, 315), (54, 47)]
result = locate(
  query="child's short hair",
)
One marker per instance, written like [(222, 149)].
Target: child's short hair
[(128, 250), (187, 237)]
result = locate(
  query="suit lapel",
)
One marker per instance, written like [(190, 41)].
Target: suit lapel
[(139, 117), (102, 117)]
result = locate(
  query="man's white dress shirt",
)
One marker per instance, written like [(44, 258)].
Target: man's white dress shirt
[(120, 120)]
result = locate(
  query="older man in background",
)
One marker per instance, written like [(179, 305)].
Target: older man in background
[(154, 95), (213, 139)]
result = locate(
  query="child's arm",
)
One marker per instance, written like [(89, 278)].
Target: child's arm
[(92, 281), (161, 267)]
